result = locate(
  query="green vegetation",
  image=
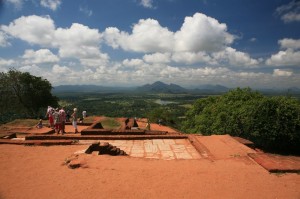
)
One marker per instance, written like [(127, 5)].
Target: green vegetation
[(270, 122), (23, 95), (110, 123)]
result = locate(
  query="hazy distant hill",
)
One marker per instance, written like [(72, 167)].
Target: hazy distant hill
[(160, 87), (156, 87)]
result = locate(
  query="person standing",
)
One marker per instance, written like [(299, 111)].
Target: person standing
[(57, 121), (74, 119), (62, 114), (83, 114), (49, 114)]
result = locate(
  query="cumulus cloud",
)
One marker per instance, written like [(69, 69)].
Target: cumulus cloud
[(202, 33), (280, 73), (32, 29), (201, 39), (289, 43), (289, 56), (157, 58), (198, 33), (77, 41), (192, 57), (235, 58), (6, 63), (147, 37), (51, 4), (289, 12), (133, 62), (39, 56), (57, 69)]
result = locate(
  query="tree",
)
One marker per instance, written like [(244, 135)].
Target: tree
[(23, 94), (270, 122)]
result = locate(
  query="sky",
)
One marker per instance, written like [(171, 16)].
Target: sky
[(234, 43)]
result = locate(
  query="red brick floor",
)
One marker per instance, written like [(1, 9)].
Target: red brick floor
[(277, 163)]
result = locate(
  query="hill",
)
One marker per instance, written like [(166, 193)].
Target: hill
[(160, 87)]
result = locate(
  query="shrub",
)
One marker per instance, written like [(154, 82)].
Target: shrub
[(270, 122)]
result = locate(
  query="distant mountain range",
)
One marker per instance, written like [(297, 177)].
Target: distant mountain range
[(160, 87)]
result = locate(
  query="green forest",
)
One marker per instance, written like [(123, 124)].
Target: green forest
[(270, 121)]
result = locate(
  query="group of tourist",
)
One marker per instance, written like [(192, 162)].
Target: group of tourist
[(58, 118)]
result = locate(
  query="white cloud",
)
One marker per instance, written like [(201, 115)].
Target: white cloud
[(6, 62), (289, 17), (290, 12), (39, 56), (198, 33), (133, 62), (56, 69), (289, 43), (157, 58), (280, 73), (235, 58), (192, 58), (201, 39), (77, 41), (147, 36), (147, 3), (33, 29), (202, 33), (51, 4), (34, 70), (288, 57)]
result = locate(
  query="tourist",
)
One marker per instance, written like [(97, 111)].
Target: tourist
[(83, 114), (74, 119), (57, 121), (62, 114), (49, 114), (148, 125), (40, 124)]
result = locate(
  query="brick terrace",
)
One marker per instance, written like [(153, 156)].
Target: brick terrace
[(166, 149)]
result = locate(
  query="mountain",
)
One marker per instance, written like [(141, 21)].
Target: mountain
[(160, 87), (156, 87)]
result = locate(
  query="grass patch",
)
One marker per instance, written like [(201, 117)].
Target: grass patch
[(90, 119), (110, 123)]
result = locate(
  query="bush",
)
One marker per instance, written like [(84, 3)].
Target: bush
[(270, 122)]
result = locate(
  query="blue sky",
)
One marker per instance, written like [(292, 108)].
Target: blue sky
[(133, 42)]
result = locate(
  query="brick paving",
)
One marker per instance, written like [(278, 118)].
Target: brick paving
[(277, 163), (166, 149)]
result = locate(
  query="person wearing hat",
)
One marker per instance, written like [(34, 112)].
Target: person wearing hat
[(74, 119)]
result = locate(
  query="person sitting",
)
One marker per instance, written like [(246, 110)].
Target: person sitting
[(40, 124)]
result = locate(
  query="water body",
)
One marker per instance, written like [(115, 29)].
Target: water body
[(163, 102)]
